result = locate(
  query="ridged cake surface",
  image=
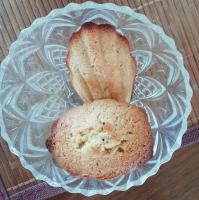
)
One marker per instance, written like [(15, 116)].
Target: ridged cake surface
[(100, 63)]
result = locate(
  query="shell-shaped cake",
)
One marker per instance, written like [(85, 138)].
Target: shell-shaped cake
[(89, 141), (100, 63)]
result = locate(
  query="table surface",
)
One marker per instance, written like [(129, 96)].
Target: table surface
[(179, 18)]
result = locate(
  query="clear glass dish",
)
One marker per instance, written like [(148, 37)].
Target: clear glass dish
[(35, 91)]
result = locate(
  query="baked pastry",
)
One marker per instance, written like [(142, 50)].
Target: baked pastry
[(100, 63), (101, 139)]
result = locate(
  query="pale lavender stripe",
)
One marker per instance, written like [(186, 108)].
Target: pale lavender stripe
[(3, 194), (43, 191), (37, 192), (191, 136)]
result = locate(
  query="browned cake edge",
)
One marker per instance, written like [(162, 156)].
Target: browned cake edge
[(148, 154), (106, 27)]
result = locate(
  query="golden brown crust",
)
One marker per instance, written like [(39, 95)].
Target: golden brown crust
[(102, 139), (100, 63)]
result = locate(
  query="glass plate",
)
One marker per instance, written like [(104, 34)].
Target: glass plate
[(35, 91)]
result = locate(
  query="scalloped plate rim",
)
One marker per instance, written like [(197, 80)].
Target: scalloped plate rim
[(156, 28)]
